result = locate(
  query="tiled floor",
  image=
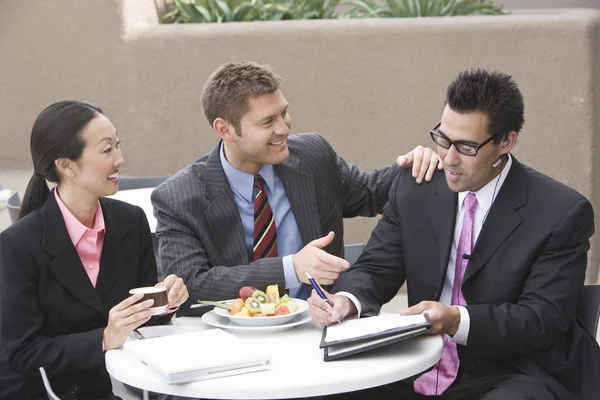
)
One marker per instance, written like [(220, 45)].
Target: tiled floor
[(18, 179)]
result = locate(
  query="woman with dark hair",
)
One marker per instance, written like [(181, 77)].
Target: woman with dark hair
[(68, 263)]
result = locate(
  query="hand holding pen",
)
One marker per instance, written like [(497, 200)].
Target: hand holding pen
[(320, 291)]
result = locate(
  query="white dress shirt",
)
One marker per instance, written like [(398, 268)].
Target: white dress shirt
[(485, 198)]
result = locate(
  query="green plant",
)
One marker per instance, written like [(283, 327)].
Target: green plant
[(193, 11), (190, 11), (421, 8), (310, 9)]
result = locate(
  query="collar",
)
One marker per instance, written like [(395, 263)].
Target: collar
[(76, 229), (242, 182), (487, 194)]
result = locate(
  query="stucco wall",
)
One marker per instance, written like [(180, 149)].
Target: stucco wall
[(372, 87)]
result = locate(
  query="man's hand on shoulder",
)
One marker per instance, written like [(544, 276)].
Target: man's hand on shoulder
[(322, 266), (424, 161), (444, 319)]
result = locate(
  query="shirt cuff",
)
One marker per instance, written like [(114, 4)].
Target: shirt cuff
[(353, 299), (462, 333), (289, 273)]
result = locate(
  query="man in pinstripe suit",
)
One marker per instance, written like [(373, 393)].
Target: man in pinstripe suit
[(205, 211)]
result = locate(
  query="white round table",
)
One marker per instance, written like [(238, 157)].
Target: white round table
[(298, 369), (141, 198)]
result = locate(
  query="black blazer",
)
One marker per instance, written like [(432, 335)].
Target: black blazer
[(52, 316), (522, 284)]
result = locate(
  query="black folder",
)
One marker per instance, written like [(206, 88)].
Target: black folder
[(369, 333)]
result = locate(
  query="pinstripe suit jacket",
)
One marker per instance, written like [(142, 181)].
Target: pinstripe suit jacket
[(201, 237)]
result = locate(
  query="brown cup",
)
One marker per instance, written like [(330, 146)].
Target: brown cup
[(158, 294)]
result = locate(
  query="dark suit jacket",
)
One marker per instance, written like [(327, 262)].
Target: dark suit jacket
[(52, 316), (522, 284), (201, 237)]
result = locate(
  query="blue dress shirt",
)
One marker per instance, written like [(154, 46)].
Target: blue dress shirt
[(289, 241)]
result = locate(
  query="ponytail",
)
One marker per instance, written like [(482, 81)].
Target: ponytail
[(35, 195)]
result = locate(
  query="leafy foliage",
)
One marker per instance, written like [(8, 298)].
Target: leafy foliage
[(194, 11), (422, 8)]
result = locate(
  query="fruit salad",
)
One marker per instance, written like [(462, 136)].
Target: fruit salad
[(256, 303)]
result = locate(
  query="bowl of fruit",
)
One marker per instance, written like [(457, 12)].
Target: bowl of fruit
[(257, 308)]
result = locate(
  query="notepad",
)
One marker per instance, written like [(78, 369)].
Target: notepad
[(359, 335), (199, 355)]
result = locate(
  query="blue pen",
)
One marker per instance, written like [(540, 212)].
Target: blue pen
[(319, 291)]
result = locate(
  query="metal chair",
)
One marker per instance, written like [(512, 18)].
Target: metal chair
[(139, 182), (51, 394), (352, 252), (13, 204), (588, 309)]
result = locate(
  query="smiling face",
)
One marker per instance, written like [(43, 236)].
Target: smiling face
[(263, 136), (463, 172), (97, 170)]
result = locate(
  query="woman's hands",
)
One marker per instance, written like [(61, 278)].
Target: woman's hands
[(124, 318), (127, 315), (176, 289)]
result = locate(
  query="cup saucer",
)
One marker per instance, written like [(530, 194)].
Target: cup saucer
[(158, 310)]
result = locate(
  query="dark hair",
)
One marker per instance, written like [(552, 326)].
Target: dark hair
[(56, 134), (226, 93), (491, 92)]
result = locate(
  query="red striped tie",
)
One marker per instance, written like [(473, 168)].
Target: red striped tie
[(265, 232)]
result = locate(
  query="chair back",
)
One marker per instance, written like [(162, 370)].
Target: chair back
[(588, 309), (13, 204), (161, 274), (352, 252), (51, 394), (140, 182)]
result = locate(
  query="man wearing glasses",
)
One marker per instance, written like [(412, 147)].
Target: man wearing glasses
[(493, 252)]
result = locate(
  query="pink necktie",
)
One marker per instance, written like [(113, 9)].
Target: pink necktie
[(439, 379)]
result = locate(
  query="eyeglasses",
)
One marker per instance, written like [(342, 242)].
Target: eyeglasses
[(466, 148)]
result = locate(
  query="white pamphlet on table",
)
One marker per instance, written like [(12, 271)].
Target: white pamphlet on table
[(355, 336), (198, 355)]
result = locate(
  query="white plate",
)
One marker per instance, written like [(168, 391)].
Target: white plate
[(264, 321), (213, 319)]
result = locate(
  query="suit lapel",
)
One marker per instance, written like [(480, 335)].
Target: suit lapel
[(115, 252), (222, 215), (66, 265), (502, 220), (301, 193), (442, 211)]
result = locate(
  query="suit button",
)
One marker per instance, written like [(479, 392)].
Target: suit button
[(73, 390)]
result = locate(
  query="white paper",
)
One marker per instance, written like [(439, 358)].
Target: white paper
[(366, 326)]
